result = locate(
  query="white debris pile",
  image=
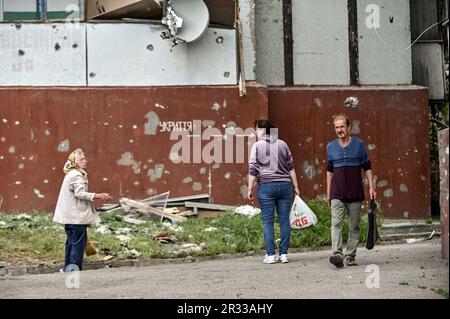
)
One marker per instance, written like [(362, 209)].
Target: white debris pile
[(173, 227), (123, 234), (190, 247), (210, 229), (133, 253), (102, 229), (2, 223), (23, 216), (247, 210), (123, 231), (124, 238)]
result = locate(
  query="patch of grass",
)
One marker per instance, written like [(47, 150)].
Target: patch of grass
[(34, 238), (440, 291)]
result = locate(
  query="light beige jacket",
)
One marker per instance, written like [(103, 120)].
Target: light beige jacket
[(74, 204)]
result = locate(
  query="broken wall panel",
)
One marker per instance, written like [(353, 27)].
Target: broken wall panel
[(43, 54), (135, 54), (320, 48), (126, 134), (384, 42), (393, 123), (118, 9)]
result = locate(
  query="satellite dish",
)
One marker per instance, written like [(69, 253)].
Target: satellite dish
[(187, 20)]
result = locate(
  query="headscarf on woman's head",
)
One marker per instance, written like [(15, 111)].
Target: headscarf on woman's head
[(71, 163)]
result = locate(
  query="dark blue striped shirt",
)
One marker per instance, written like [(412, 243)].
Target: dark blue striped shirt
[(345, 163)]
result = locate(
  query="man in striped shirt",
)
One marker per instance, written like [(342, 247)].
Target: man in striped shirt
[(346, 156)]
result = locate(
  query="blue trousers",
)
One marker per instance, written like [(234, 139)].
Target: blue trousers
[(75, 245), (279, 195)]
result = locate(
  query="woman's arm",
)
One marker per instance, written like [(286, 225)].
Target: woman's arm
[(294, 181)]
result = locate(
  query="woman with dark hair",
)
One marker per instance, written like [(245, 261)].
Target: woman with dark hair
[(272, 167)]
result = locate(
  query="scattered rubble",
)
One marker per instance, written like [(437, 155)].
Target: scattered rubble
[(103, 229), (247, 210), (183, 248), (164, 237)]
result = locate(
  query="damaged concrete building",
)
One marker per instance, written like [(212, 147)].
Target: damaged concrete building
[(126, 79)]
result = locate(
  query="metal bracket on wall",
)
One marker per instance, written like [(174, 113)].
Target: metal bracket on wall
[(41, 6)]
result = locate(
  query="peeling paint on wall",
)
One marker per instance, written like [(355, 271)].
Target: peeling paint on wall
[(355, 127), (187, 180), (230, 127), (155, 173), (317, 102), (371, 147), (388, 193), (227, 175), (309, 170), (351, 101), (64, 145), (12, 149), (160, 106), (127, 160), (382, 183), (216, 106), (152, 123), (203, 170), (208, 123), (403, 188), (38, 193), (196, 186)]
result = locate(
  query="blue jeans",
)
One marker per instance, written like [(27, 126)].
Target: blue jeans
[(279, 195), (75, 245)]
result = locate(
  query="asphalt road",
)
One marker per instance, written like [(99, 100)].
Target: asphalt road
[(389, 271)]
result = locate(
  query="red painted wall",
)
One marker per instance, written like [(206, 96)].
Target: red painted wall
[(392, 120), (107, 123)]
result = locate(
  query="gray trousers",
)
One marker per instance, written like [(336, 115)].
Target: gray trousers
[(338, 209)]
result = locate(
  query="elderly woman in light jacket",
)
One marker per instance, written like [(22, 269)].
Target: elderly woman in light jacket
[(74, 209)]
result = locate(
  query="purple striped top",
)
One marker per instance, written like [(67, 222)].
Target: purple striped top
[(270, 160)]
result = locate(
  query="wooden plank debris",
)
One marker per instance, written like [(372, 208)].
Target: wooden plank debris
[(129, 205), (178, 201), (210, 206)]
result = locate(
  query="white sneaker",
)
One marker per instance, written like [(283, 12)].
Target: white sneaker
[(270, 259), (284, 259)]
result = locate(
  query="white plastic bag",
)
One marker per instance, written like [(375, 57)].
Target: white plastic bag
[(301, 215)]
